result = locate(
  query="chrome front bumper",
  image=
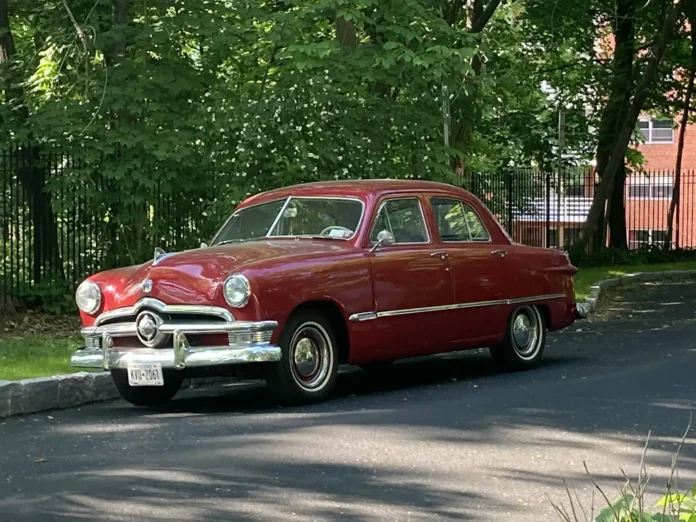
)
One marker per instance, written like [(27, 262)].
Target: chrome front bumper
[(248, 342)]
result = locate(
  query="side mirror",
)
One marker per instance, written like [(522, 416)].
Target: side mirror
[(384, 238), (204, 245)]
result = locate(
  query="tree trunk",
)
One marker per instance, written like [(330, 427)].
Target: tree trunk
[(613, 116), (617, 212), (31, 172), (618, 153), (691, 15), (465, 117)]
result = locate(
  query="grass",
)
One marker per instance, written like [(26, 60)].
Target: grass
[(36, 355), (586, 277)]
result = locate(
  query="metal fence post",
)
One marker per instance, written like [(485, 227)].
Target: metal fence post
[(548, 209), (509, 203)]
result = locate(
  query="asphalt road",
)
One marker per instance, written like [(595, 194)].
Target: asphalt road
[(447, 438)]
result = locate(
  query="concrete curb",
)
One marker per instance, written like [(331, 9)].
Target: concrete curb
[(74, 389), (59, 391), (596, 290), (66, 391)]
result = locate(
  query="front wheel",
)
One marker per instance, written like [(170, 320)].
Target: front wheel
[(307, 370), (148, 395), (525, 339)]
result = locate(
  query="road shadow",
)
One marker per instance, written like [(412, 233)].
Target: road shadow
[(421, 437)]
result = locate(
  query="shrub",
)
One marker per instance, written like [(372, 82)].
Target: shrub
[(642, 256)]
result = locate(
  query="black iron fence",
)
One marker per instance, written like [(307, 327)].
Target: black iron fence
[(548, 209), (53, 234), (61, 219)]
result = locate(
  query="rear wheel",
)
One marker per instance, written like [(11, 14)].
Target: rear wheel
[(525, 339), (148, 395), (308, 366)]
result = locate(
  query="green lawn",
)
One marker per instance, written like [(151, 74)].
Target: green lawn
[(586, 277), (36, 355)]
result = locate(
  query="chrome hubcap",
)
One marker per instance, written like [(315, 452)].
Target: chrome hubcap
[(521, 330), (311, 356), (526, 332), (306, 357)]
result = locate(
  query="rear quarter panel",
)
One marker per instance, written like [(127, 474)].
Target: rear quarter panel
[(543, 272)]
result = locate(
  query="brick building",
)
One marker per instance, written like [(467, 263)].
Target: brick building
[(560, 213)]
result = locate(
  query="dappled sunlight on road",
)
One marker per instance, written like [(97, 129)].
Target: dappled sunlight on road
[(448, 438)]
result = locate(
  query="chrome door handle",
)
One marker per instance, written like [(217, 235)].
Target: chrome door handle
[(441, 255), (501, 253)]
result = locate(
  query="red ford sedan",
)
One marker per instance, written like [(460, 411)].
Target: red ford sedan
[(302, 279)]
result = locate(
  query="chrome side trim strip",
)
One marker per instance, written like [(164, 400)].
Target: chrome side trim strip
[(159, 306), (367, 316), (363, 316)]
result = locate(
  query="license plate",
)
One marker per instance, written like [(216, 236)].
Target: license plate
[(145, 375)]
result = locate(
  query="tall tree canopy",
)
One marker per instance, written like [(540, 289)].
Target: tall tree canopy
[(224, 98)]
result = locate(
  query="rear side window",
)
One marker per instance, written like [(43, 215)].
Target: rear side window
[(457, 221)]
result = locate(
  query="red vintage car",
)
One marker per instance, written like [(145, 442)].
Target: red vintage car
[(302, 279)]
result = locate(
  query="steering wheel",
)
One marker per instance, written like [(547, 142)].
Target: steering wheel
[(334, 227)]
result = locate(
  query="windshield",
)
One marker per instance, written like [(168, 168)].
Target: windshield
[(331, 218)]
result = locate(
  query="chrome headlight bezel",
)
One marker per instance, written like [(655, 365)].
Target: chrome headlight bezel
[(88, 297), (237, 290)]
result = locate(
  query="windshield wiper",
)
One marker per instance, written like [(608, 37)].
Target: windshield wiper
[(228, 241), (333, 238)]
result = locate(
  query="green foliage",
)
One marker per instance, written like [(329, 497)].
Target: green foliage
[(672, 507), (55, 297), (205, 103)]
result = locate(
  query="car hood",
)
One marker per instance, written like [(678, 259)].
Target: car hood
[(195, 276)]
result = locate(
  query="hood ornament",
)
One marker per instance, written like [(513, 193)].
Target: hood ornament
[(160, 254)]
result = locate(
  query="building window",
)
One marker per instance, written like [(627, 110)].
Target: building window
[(646, 238), (657, 131), (660, 190)]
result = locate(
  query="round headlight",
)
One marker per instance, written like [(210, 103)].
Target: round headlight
[(88, 297), (237, 290)]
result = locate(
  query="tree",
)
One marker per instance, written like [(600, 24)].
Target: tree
[(688, 93), (591, 229), (31, 171)]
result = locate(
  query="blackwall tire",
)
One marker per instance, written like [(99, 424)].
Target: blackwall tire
[(525, 339), (148, 396), (307, 370)]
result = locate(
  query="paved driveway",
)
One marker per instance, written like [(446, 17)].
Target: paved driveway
[(442, 439)]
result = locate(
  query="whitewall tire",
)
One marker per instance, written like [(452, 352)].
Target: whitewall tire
[(308, 366), (525, 339)]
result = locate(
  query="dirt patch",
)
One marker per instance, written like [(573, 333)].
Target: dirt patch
[(36, 323)]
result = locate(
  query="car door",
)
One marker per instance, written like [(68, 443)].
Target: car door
[(412, 282), (477, 269)]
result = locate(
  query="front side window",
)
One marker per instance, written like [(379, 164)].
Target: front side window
[(403, 219), (316, 217), (457, 221)]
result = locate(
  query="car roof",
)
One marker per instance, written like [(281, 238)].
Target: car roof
[(360, 188)]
